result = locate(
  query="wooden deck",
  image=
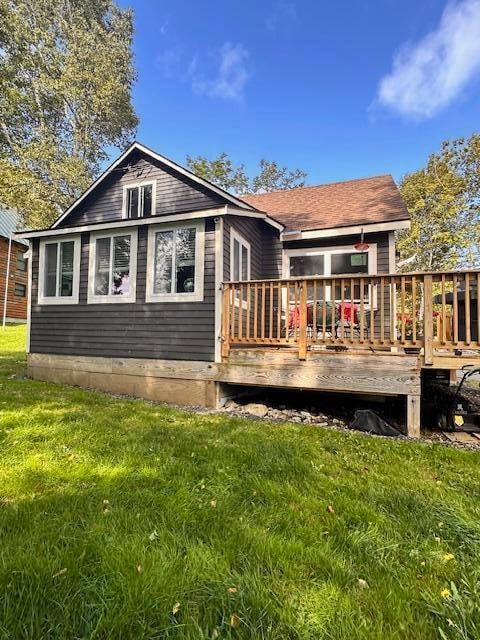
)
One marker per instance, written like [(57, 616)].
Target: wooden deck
[(359, 333)]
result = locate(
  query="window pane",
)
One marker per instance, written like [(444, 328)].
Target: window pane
[(121, 266), (102, 266), (20, 290), (244, 263), (21, 262), (307, 265), (132, 202), (147, 201), (66, 268), (185, 260), (163, 262), (349, 263), (50, 283), (236, 260)]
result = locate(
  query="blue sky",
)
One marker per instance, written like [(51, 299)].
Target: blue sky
[(341, 89)]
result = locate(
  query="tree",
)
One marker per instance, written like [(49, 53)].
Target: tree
[(66, 75), (443, 202), (223, 173)]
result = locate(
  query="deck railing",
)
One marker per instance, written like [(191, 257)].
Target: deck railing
[(416, 311)]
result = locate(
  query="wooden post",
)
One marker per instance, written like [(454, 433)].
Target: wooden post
[(225, 321), (428, 319), (302, 330), (413, 416)]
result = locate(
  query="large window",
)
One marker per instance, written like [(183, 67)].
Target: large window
[(239, 257), (175, 263), (139, 200), (112, 269), (59, 271), (332, 261)]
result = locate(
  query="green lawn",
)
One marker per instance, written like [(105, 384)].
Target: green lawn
[(120, 519)]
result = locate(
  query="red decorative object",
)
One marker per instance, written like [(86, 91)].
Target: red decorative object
[(361, 246)]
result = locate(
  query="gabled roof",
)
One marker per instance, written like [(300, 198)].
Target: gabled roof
[(137, 146), (9, 224), (341, 204)]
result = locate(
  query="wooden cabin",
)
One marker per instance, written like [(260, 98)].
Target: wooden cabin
[(159, 284), (13, 268)]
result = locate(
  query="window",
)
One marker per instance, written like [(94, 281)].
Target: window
[(332, 261), (59, 271), (175, 263), (112, 267), (21, 261), (20, 290), (239, 257), (138, 200)]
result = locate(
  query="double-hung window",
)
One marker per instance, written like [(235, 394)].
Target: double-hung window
[(21, 261), (239, 257), (59, 271), (139, 200), (112, 266), (175, 266)]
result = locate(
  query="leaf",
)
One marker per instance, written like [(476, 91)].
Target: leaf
[(213, 503), (176, 608), (153, 536), (232, 590), (363, 584), (62, 572), (234, 621), (330, 509), (140, 568)]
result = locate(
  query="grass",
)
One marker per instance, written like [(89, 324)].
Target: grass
[(121, 519)]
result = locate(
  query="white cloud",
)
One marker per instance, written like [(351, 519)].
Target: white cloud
[(428, 75), (282, 13), (231, 77)]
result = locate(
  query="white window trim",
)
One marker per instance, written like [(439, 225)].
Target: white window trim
[(73, 299), (194, 296), (136, 185), (234, 235), (327, 252), (93, 298)]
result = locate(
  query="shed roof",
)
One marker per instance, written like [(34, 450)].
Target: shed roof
[(9, 223)]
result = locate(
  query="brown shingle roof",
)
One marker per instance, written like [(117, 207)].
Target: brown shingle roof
[(339, 204)]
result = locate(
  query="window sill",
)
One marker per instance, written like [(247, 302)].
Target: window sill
[(174, 297), (111, 299), (57, 300)]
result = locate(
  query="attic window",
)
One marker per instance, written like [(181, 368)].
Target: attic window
[(138, 200)]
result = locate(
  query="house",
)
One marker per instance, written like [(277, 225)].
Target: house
[(13, 264), (159, 284)]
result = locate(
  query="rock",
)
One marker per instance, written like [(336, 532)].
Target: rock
[(305, 414), (256, 409), (276, 414), (230, 405), (296, 419)]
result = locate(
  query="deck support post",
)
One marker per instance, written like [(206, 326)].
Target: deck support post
[(428, 319), (413, 416), (225, 337), (302, 329)]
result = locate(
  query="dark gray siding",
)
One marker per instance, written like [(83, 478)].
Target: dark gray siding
[(266, 247), (174, 193), (176, 331), (255, 232)]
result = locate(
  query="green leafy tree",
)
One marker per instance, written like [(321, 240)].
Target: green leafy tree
[(222, 172), (443, 202), (66, 75)]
